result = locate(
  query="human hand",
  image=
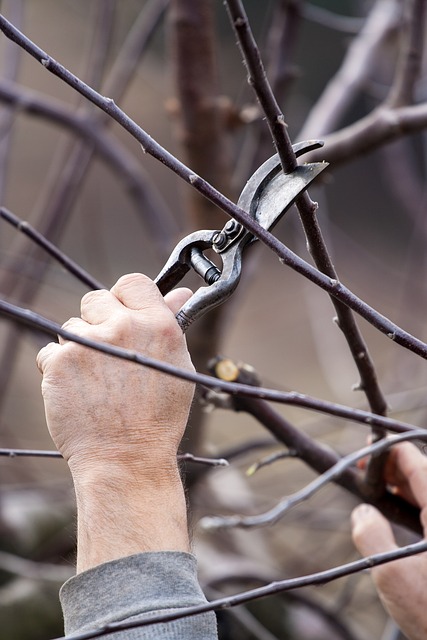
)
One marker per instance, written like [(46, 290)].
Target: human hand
[(401, 584), (119, 424), (100, 408)]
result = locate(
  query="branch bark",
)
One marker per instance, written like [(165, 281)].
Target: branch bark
[(279, 586)]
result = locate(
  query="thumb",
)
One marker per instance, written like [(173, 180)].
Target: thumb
[(371, 532), (176, 298)]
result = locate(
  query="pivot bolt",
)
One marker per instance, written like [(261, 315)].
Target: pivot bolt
[(219, 240)]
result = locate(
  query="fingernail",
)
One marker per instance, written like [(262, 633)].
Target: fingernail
[(361, 511)]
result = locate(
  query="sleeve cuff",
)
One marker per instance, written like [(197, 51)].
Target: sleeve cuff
[(138, 586)]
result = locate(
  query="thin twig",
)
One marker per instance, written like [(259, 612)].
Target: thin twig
[(332, 20), (257, 78), (278, 511), (331, 617), (11, 63), (279, 586), (39, 453), (245, 618), (342, 89), (321, 458), (269, 460), (71, 168), (307, 210), (51, 249), (280, 50), (36, 321), (331, 285), (210, 462), (150, 204), (29, 453), (34, 570), (409, 62)]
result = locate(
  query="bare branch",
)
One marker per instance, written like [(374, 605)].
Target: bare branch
[(38, 453), (331, 285), (340, 92), (257, 78), (201, 122), (321, 458), (332, 20), (69, 264), (269, 460), (29, 453), (394, 118), (409, 63), (307, 210), (35, 321), (333, 618), (34, 570), (379, 127), (278, 511), (149, 200), (11, 59), (280, 50), (279, 586)]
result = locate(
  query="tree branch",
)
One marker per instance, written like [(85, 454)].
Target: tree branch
[(279, 586), (34, 570), (307, 210), (69, 264), (355, 69), (149, 202), (11, 57), (334, 473), (331, 285), (38, 453), (35, 321), (409, 63)]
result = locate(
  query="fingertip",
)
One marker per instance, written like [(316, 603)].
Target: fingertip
[(371, 532)]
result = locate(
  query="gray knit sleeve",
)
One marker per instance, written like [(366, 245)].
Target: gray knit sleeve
[(138, 586)]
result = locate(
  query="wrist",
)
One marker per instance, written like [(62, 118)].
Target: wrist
[(144, 455), (122, 510), (124, 469)]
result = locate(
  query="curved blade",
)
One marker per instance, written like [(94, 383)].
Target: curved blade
[(281, 191)]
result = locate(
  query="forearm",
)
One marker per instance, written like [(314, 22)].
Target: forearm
[(121, 512)]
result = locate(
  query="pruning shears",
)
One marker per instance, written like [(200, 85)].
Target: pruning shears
[(266, 197)]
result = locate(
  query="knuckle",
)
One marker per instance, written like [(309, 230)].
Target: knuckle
[(167, 327), (130, 280), (121, 330), (70, 324), (92, 297)]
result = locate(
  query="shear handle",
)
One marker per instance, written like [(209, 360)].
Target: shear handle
[(186, 255)]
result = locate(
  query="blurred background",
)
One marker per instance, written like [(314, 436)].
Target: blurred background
[(176, 70)]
